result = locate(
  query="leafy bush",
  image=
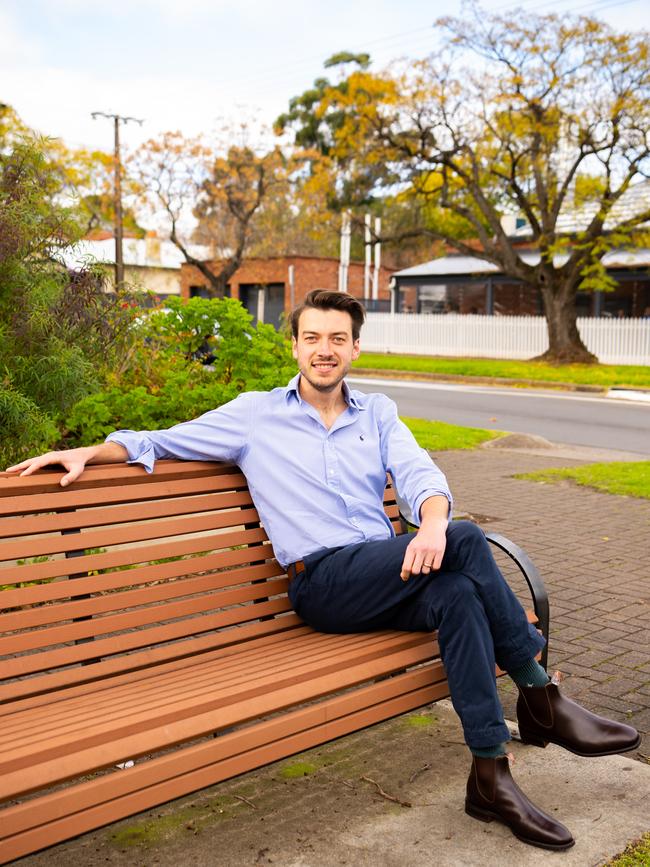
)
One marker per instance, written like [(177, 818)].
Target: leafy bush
[(54, 326), (161, 383)]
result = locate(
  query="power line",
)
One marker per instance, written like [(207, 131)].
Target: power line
[(276, 76)]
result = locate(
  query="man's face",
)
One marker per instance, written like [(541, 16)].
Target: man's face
[(325, 349)]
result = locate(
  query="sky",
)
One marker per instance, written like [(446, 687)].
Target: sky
[(201, 65)]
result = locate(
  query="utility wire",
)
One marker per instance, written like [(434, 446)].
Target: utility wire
[(407, 40)]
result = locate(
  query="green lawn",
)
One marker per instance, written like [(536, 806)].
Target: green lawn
[(437, 435), (605, 375), (619, 477)]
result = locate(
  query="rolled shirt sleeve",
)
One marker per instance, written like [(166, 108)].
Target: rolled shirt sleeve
[(415, 475), (218, 435)]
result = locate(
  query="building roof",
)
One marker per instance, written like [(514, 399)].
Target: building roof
[(456, 265), (572, 219), (137, 252)]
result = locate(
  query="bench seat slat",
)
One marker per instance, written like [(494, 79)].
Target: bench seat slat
[(47, 688), (113, 796), (290, 692), (70, 720), (263, 633)]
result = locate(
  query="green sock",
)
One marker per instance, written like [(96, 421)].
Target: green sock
[(492, 752), (530, 674)]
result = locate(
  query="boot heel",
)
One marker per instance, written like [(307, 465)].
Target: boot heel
[(477, 813), (531, 739)]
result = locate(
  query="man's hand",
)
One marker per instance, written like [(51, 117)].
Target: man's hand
[(73, 460), (425, 552)]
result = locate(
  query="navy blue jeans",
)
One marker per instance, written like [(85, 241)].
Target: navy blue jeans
[(479, 620)]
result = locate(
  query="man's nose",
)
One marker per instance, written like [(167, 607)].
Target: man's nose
[(324, 347)]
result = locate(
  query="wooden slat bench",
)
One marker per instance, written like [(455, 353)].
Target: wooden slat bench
[(140, 615)]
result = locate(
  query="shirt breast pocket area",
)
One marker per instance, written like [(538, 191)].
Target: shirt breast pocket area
[(361, 460)]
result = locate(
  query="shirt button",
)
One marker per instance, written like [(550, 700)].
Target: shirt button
[(331, 472), (355, 521)]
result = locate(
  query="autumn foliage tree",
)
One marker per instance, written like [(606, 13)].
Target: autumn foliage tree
[(541, 116), (188, 180)]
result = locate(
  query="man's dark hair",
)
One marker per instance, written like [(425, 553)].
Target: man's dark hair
[(325, 299)]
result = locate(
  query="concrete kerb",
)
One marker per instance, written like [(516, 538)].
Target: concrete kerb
[(620, 393)]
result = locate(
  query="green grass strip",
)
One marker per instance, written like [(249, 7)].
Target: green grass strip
[(630, 479), (605, 375), (637, 854), (439, 436)]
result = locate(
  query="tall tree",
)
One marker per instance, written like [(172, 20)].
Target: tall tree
[(189, 181), (58, 331), (546, 117)]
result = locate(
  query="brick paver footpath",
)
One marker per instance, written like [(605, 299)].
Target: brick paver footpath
[(593, 551)]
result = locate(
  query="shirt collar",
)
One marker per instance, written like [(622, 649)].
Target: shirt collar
[(350, 399)]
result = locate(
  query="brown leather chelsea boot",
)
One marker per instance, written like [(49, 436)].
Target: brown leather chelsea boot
[(493, 794), (546, 716)]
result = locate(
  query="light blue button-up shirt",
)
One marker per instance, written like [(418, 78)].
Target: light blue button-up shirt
[(313, 487)]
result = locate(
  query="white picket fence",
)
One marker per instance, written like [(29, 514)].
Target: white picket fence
[(613, 341)]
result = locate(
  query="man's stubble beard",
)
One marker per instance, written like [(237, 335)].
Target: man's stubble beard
[(326, 387)]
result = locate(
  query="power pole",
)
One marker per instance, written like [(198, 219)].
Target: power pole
[(117, 192)]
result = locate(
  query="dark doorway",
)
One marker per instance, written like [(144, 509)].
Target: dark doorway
[(273, 301)]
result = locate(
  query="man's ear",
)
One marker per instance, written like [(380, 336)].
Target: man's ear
[(356, 350), (294, 347)]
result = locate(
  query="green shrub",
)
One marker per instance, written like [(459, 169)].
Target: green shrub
[(58, 330), (160, 383)]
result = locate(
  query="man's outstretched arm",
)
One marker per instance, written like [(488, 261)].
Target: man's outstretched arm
[(73, 460)]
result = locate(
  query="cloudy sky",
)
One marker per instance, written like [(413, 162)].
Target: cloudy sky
[(188, 64)]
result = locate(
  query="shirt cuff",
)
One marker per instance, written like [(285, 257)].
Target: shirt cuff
[(432, 492), (139, 449)]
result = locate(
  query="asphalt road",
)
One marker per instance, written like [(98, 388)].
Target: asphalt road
[(561, 417)]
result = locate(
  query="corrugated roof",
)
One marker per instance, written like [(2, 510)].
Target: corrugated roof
[(137, 252), (635, 200), (453, 266)]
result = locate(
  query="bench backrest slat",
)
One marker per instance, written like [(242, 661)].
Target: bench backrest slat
[(33, 614), (128, 568), (25, 495), (119, 535), (107, 515)]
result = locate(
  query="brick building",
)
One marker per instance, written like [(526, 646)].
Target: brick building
[(465, 284), (270, 287)]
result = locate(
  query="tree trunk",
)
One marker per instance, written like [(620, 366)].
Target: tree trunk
[(565, 345)]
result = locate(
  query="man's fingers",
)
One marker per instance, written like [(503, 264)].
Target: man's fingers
[(31, 465), (71, 476), (18, 467)]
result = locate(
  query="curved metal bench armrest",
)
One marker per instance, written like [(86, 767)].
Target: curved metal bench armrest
[(534, 581)]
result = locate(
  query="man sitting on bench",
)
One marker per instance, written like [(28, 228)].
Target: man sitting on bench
[(316, 455)]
